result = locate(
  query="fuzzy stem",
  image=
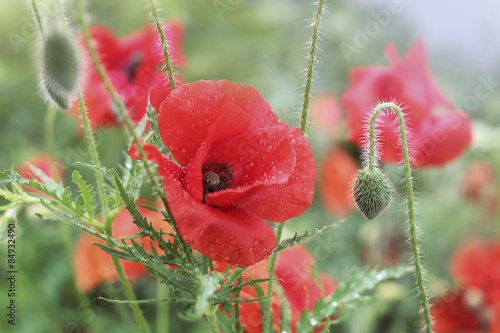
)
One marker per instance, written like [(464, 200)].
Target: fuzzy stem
[(310, 69), (38, 19), (268, 311), (159, 26), (212, 322), (162, 308), (93, 151), (237, 307), (409, 189), (128, 122), (49, 139)]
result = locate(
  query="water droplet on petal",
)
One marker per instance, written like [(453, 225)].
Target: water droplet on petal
[(220, 225), (250, 249), (234, 241), (249, 166), (188, 103), (269, 149), (184, 152), (226, 258), (217, 240), (241, 159), (279, 121), (304, 177), (293, 141), (255, 242), (304, 190)]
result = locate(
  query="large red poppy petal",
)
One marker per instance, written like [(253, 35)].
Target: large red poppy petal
[(188, 113), (450, 314), (442, 138), (279, 202), (230, 234)]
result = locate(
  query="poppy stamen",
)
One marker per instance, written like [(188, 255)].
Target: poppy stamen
[(216, 176)]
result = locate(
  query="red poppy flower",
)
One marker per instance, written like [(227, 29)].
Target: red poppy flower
[(476, 264), (479, 184), (134, 65), (293, 269), (439, 133), (337, 174), (239, 165), (451, 314), (92, 266), (327, 113), (43, 162)]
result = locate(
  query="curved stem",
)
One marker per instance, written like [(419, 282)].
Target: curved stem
[(93, 151), (310, 69), (128, 122), (37, 18), (159, 26), (409, 189), (272, 265)]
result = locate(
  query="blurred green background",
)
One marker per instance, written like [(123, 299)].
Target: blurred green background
[(262, 43)]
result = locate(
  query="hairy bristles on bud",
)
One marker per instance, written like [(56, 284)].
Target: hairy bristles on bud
[(372, 191), (59, 68)]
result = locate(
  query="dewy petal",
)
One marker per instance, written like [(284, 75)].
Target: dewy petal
[(229, 234), (232, 120), (264, 158), (279, 202), (189, 111), (442, 138), (166, 168)]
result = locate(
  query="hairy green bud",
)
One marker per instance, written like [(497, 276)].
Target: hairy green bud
[(372, 191), (60, 68)]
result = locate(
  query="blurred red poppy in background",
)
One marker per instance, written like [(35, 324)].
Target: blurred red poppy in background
[(337, 174), (134, 66), (476, 307), (479, 184), (327, 113), (294, 271), (43, 162), (239, 165), (439, 133), (93, 266)]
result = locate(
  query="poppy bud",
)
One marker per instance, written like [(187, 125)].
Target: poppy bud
[(372, 191), (60, 68)]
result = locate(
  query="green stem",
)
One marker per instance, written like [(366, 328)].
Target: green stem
[(162, 308), (93, 151), (409, 189), (128, 122), (159, 26), (37, 17), (212, 322), (237, 307), (310, 68), (49, 139), (268, 311)]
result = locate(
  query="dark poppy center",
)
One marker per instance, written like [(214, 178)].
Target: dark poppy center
[(133, 65), (216, 176)]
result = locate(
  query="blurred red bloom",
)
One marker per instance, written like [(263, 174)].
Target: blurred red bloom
[(439, 133), (133, 64), (451, 314), (43, 162), (337, 175), (476, 308), (480, 184), (327, 113), (293, 268), (92, 266), (476, 264), (239, 164)]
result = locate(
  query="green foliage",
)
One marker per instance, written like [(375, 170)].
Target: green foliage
[(348, 295)]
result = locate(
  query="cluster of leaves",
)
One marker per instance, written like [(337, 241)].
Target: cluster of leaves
[(192, 278)]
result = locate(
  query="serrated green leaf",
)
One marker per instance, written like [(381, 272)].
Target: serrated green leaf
[(297, 239), (348, 295), (85, 191)]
